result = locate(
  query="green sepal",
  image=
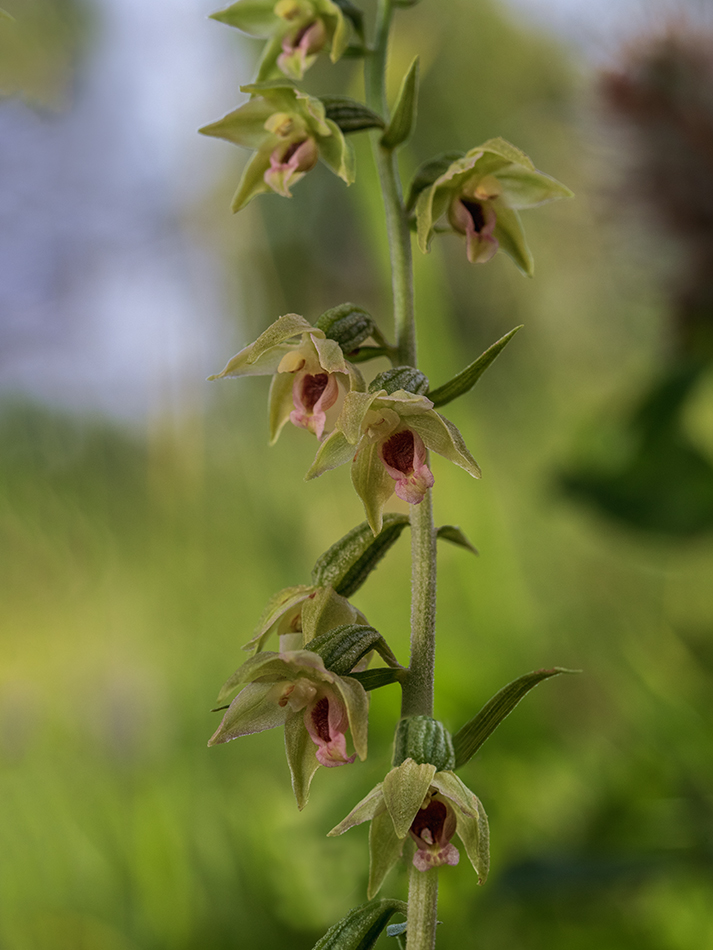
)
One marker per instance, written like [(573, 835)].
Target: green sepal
[(407, 378), (354, 14), (324, 610), (426, 741), (282, 606), (343, 647), (385, 849), (348, 562), (428, 172), (361, 927), (347, 324), (467, 378), (301, 759), (350, 114), (471, 821), (254, 17), (382, 676), (473, 734), (403, 117), (404, 790), (453, 534), (511, 236), (336, 450)]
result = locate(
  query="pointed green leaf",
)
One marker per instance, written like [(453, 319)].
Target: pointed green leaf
[(405, 788), (427, 173), (467, 378), (452, 533), (350, 114), (348, 563), (384, 851), (301, 758), (404, 115), (243, 126), (361, 928), (473, 734), (375, 679)]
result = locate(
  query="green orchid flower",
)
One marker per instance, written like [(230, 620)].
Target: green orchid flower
[(296, 30), (480, 194), (417, 801), (307, 370), (386, 436), (315, 705), (299, 614), (290, 132)]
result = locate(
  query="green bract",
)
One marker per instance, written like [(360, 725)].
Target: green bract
[(386, 436), (480, 194), (414, 799), (297, 31), (307, 368), (280, 687), (290, 132)]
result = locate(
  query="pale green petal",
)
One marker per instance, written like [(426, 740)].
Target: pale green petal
[(243, 126), (265, 365), (279, 403), (509, 232), (340, 39), (523, 188), (330, 354), (255, 17), (507, 151), (324, 611), (283, 329), (424, 217), (357, 702), (441, 436), (333, 452), (314, 111), (405, 403), (301, 758), (372, 483), (370, 806), (252, 182), (337, 153), (356, 405), (251, 711), (278, 605), (384, 851), (405, 788), (472, 822)]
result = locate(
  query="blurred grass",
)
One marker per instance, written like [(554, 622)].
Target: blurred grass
[(135, 564)]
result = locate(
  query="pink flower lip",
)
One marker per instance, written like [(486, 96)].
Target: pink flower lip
[(326, 721), (404, 458), (309, 39), (312, 395), (288, 165), (477, 220), (432, 830)]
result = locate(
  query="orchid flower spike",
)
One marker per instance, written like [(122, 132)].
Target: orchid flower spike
[(290, 132), (480, 195)]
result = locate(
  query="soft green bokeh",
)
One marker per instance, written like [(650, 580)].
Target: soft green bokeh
[(134, 566)]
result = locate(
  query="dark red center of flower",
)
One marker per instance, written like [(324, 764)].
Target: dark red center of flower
[(312, 389), (431, 818), (475, 210), (299, 36), (398, 451), (320, 718)]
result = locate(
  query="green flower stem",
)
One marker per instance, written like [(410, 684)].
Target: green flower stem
[(423, 898), (396, 220), (417, 688)]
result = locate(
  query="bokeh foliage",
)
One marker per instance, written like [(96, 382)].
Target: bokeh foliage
[(135, 564)]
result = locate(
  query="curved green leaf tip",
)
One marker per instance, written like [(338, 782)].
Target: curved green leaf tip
[(361, 927), (467, 378), (404, 115), (348, 563), (473, 734)]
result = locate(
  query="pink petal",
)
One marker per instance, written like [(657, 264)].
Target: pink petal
[(404, 458), (312, 395), (326, 722)]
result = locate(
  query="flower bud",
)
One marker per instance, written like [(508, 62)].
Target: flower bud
[(425, 740), (400, 377), (348, 324)]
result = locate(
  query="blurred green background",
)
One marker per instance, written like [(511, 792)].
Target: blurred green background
[(137, 557)]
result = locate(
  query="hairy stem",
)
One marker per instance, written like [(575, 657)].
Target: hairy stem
[(417, 688), (396, 219), (423, 898)]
